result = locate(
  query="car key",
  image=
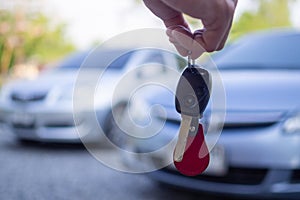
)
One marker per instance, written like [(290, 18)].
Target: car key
[(191, 156)]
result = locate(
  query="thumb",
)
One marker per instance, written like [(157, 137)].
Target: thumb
[(182, 38)]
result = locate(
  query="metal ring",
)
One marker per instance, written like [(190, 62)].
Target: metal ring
[(189, 61)]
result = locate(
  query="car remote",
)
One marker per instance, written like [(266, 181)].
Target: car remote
[(191, 156)]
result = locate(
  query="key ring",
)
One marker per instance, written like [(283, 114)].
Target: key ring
[(191, 62)]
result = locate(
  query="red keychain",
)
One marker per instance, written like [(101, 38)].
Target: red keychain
[(191, 155)]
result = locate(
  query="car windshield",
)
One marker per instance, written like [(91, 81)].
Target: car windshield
[(261, 52), (115, 59)]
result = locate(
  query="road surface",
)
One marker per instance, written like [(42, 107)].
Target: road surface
[(50, 171)]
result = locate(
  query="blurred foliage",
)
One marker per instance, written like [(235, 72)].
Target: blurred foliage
[(269, 14), (138, 1), (29, 36)]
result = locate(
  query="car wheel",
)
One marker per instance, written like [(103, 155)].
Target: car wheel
[(112, 129), (26, 142)]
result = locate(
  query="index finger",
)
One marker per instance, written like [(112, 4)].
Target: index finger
[(185, 40), (211, 39)]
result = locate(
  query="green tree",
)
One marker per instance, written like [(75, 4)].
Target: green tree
[(270, 14), (26, 35)]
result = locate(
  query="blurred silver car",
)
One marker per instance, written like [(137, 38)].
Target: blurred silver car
[(258, 152), (42, 109)]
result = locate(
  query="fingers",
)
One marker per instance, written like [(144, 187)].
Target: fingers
[(216, 16), (196, 44), (184, 34), (176, 21), (222, 43), (217, 23), (194, 8), (187, 42), (210, 39), (161, 10), (183, 40), (231, 6), (235, 2)]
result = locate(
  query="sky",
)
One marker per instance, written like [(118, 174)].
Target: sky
[(91, 21)]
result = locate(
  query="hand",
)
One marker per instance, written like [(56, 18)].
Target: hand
[(216, 17)]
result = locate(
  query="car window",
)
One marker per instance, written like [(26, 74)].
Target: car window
[(73, 61), (120, 61), (275, 51), (158, 58), (155, 57), (113, 59)]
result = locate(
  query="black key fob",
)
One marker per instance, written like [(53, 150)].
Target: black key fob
[(193, 91)]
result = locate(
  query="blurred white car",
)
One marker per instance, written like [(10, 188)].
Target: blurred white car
[(42, 109), (258, 152)]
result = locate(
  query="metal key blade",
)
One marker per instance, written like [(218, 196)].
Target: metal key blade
[(182, 138)]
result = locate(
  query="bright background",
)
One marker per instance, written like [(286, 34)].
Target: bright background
[(37, 32), (97, 20)]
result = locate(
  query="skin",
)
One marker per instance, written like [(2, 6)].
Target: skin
[(216, 17)]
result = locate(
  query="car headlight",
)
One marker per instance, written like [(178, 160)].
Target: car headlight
[(292, 125)]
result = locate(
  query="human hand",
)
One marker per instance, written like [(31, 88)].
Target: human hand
[(216, 17)]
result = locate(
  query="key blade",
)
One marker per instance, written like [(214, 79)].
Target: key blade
[(184, 130)]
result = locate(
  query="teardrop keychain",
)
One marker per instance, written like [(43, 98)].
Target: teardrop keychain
[(191, 155)]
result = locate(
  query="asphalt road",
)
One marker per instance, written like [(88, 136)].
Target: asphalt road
[(43, 171)]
